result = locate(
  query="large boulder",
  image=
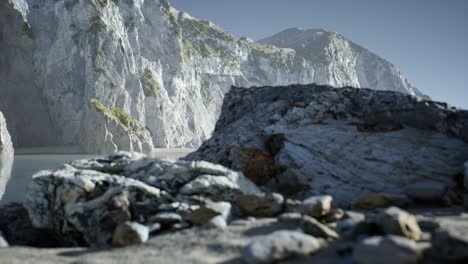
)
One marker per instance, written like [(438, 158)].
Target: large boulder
[(346, 142), (6, 155), (85, 201)]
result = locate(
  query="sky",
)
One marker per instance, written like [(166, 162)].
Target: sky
[(426, 39)]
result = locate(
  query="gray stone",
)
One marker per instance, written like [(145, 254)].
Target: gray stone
[(451, 243), (349, 222), (317, 206), (292, 206), (426, 191), (278, 246), (218, 222), (130, 233), (208, 211), (165, 218), (387, 250), (260, 205), (293, 219), (395, 221), (334, 216), (314, 228)]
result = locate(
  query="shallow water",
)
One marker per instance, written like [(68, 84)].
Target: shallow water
[(24, 166)]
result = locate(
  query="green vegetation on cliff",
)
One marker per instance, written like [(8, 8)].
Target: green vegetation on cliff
[(119, 115), (150, 85)]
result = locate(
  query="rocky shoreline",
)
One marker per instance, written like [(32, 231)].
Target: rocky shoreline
[(294, 174)]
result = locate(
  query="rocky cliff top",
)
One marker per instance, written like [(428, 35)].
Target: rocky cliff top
[(312, 139)]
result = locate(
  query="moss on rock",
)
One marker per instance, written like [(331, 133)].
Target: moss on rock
[(119, 115), (150, 85)]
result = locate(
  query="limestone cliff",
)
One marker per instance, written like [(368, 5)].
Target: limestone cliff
[(132, 75), (6, 155)]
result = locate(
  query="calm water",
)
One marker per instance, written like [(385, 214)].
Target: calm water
[(24, 166)]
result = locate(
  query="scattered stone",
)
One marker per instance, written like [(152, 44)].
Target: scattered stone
[(292, 206), (154, 227), (294, 219), (217, 222), (398, 222), (334, 216), (219, 188), (130, 233), (349, 222), (205, 213), (3, 242), (314, 228), (381, 200), (451, 243), (280, 245), (165, 218), (260, 205), (317, 206), (387, 250), (426, 191), (180, 226)]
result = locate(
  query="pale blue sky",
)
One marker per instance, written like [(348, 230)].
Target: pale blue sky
[(426, 39)]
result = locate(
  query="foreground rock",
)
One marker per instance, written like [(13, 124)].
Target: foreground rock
[(88, 202), (18, 229), (313, 227), (347, 142), (398, 222), (130, 233), (387, 250), (280, 245), (6, 155), (451, 243), (263, 205)]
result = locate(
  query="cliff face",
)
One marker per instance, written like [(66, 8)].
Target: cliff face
[(341, 62), (133, 75), (6, 155)]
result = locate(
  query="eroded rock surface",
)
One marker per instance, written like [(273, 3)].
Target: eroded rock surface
[(86, 200), (346, 142)]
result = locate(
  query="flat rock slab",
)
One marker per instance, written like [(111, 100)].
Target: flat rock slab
[(343, 142)]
